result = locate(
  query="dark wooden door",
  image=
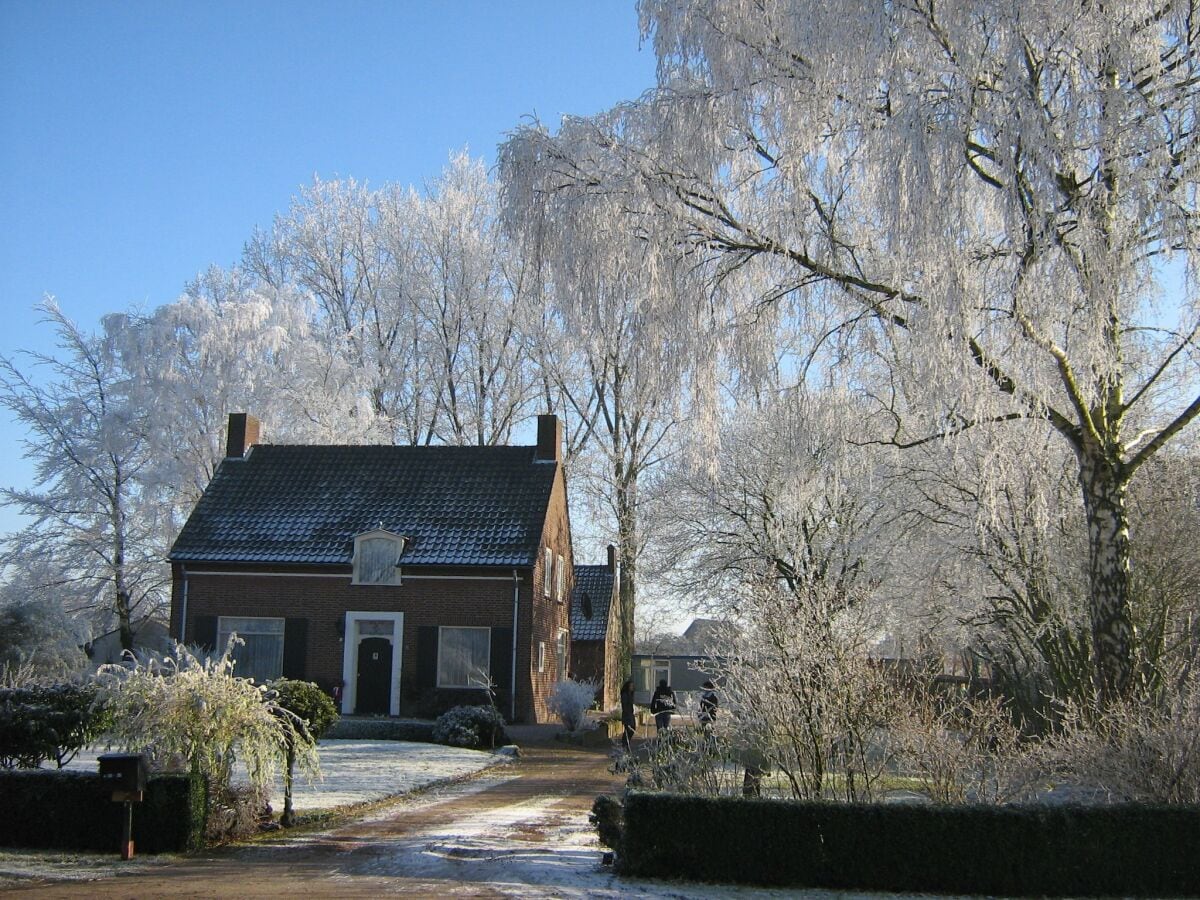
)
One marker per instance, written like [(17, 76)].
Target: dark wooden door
[(373, 691)]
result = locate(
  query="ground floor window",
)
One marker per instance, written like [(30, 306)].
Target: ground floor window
[(261, 655), (560, 655), (650, 672), (464, 657)]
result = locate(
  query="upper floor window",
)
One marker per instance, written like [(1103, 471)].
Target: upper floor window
[(377, 557), (547, 572), (560, 578)]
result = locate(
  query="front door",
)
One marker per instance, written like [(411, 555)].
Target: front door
[(373, 690)]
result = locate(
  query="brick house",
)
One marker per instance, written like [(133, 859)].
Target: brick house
[(400, 577), (595, 654)]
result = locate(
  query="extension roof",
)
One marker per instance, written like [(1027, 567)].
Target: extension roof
[(596, 583), (301, 504)]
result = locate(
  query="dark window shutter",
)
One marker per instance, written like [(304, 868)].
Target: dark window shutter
[(502, 659), (427, 650), (295, 648), (204, 633)]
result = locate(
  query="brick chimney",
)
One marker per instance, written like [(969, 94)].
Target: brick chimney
[(549, 438), (612, 558), (243, 434)]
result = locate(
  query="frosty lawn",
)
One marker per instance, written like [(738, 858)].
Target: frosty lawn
[(358, 772)]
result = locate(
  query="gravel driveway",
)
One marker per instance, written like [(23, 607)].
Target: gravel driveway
[(516, 830)]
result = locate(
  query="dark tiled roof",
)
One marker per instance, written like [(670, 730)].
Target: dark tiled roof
[(596, 583), (305, 504)]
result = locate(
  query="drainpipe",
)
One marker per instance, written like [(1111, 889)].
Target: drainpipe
[(183, 605), (512, 689)]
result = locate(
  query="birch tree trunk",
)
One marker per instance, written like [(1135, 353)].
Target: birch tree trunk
[(1109, 572)]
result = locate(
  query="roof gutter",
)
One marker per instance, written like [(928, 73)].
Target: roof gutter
[(512, 688)]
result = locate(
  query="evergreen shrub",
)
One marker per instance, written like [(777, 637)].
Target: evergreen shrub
[(70, 810), (47, 722), (470, 726), (1121, 849)]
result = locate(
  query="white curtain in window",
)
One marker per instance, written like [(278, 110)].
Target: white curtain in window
[(377, 558), (464, 657), (261, 656), (560, 654)]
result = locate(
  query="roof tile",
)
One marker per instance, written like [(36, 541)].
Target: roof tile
[(305, 504)]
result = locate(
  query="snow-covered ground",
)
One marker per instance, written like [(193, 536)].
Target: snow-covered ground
[(355, 772), (530, 848)]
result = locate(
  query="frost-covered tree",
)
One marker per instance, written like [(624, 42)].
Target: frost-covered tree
[(224, 345), (329, 247), (418, 306), (475, 299), (617, 364), (783, 497), (982, 194), (91, 526), (38, 633)]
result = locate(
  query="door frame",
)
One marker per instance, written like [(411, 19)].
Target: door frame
[(350, 658)]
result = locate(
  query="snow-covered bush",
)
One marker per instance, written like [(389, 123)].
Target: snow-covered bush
[(184, 707), (963, 750), (1132, 750), (470, 726), (686, 761), (569, 700)]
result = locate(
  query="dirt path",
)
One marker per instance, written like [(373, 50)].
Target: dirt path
[(517, 830)]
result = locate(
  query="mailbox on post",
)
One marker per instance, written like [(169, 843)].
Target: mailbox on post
[(126, 772)]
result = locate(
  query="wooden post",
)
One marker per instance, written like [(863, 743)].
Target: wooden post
[(127, 832)]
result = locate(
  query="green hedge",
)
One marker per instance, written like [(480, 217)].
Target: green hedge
[(1123, 849), (47, 722), (72, 810)]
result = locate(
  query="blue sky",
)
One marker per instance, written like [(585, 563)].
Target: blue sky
[(141, 142)]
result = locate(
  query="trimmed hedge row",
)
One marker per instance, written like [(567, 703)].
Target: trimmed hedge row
[(72, 810), (1125, 849)]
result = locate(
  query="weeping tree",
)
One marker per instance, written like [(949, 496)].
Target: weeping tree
[(985, 195)]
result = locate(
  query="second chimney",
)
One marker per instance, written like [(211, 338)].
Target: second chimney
[(549, 438), (243, 434)]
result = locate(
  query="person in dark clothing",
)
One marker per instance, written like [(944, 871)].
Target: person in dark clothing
[(707, 715), (662, 705), (628, 715)]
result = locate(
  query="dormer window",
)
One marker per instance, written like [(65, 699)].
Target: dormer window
[(377, 557)]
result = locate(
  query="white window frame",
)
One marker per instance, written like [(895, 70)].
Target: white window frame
[(223, 635), (653, 670), (378, 534), (442, 629), (561, 652), (547, 571), (541, 659), (560, 578)]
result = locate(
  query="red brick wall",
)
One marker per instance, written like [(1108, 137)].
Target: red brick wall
[(587, 661), (324, 602), (548, 615), (453, 600)]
